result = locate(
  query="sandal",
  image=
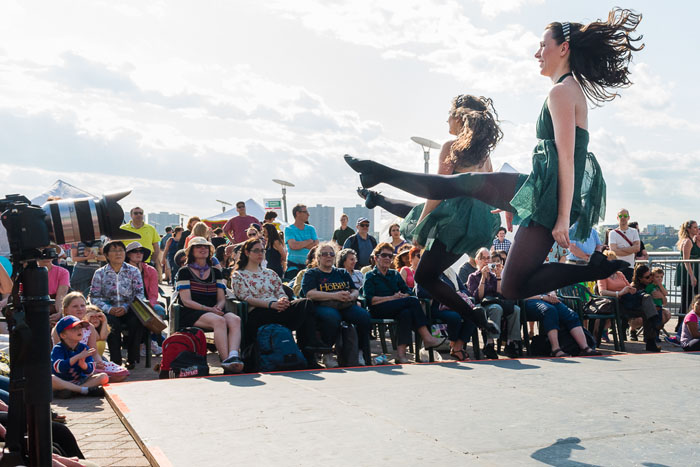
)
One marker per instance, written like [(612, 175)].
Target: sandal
[(459, 355), (58, 418), (442, 341), (559, 353), (589, 352)]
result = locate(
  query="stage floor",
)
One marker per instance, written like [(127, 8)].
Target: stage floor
[(608, 411)]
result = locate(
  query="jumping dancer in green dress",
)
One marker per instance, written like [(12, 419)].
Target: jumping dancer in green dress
[(566, 184), (448, 229)]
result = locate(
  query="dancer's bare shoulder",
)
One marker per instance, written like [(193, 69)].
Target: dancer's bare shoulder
[(484, 166), (445, 164)]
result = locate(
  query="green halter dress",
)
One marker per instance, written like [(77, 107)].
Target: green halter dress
[(463, 225), (536, 198)]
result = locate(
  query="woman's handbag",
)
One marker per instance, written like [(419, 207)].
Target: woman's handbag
[(147, 315), (599, 306), (337, 304), (464, 297)]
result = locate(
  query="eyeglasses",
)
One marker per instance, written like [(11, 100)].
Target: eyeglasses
[(257, 250), (137, 213), (386, 255), (623, 216), (252, 234), (363, 225), (648, 276), (328, 253), (240, 207)]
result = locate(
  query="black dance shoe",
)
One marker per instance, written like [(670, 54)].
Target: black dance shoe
[(369, 196), (602, 268), (368, 170)]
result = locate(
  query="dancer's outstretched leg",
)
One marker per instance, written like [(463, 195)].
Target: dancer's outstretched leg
[(433, 262), (397, 207), (525, 274), (493, 188)]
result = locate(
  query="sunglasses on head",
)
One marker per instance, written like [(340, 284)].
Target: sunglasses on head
[(386, 255), (328, 253)]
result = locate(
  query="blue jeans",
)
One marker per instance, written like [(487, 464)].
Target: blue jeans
[(4, 389), (407, 311), (551, 315), (329, 319), (457, 329)]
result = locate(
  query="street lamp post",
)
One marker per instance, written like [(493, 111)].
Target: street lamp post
[(426, 144), (284, 185), (223, 204)]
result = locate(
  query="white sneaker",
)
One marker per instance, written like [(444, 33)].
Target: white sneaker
[(361, 358), (156, 349), (329, 361)]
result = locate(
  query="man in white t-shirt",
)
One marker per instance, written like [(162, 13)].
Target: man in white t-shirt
[(624, 242)]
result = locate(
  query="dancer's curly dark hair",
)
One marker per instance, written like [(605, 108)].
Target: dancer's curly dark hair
[(600, 52), (480, 131)]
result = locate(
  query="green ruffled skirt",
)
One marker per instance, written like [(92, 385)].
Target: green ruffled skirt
[(463, 225), (536, 198)]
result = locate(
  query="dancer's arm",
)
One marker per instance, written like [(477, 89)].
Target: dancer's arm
[(562, 108)]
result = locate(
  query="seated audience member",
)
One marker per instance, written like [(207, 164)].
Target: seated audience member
[(659, 295), (309, 263), (190, 225), (365, 269), (137, 256), (388, 297), (362, 242), (557, 254), (218, 238), (407, 268), (87, 259), (690, 334), (485, 286), (300, 238), (346, 260), (275, 252), (72, 362), (343, 232), (74, 304), (552, 315), (459, 330), (59, 282), (632, 304), (501, 242), (94, 316), (466, 269), (114, 287), (268, 303), (580, 252), (201, 292), (642, 279), (168, 261), (200, 229), (396, 241), (335, 295)]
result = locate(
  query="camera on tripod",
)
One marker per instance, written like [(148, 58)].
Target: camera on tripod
[(31, 230)]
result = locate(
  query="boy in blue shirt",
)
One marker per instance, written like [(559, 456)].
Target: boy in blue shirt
[(72, 364)]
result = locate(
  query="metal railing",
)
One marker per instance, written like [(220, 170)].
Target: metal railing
[(669, 262)]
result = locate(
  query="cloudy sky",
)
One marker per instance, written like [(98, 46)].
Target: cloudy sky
[(189, 102)]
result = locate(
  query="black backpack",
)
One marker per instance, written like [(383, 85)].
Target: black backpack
[(347, 345), (276, 349)]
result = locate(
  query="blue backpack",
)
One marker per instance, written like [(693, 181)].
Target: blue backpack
[(277, 350)]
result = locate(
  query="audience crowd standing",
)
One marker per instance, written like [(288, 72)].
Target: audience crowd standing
[(362, 243)]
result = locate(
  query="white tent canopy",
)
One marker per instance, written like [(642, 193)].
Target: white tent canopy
[(63, 190)]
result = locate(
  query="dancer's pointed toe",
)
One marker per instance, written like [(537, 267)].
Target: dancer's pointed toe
[(604, 268), (354, 163)]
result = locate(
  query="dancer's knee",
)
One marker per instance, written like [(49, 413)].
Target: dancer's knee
[(510, 290)]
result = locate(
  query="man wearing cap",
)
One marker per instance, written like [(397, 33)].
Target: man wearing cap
[(149, 236), (236, 227), (362, 242)]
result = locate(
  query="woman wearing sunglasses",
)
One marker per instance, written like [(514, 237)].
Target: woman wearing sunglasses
[(335, 295), (388, 297)]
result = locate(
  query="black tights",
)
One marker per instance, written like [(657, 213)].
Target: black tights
[(397, 207), (524, 274)]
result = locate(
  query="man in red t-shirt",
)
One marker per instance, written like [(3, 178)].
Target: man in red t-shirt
[(235, 228)]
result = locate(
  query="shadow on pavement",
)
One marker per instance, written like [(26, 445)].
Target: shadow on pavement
[(559, 453)]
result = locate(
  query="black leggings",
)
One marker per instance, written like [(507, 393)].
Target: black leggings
[(524, 274)]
